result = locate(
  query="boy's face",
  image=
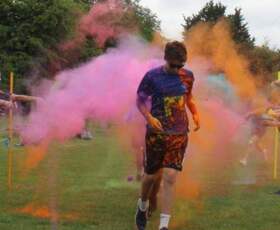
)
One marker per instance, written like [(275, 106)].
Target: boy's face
[(173, 66)]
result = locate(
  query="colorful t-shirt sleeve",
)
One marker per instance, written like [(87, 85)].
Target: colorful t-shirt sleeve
[(188, 81), (190, 84), (145, 88)]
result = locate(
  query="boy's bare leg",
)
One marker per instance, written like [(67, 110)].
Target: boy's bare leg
[(169, 180), (154, 192)]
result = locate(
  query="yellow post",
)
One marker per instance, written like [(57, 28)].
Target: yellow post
[(276, 148), (10, 129), (276, 145)]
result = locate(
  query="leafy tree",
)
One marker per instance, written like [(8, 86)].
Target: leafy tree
[(212, 12), (30, 30), (135, 15), (266, 61), (239, 29), (147, 21), (134, 18)]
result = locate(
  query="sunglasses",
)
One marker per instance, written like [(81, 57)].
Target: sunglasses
[(176, 66)]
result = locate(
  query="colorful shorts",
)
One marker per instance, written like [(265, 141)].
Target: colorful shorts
[(164, 151)]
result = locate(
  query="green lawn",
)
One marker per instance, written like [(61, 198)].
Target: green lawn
[(83, 184)]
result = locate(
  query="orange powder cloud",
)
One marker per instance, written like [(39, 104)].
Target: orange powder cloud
[(215, 43)]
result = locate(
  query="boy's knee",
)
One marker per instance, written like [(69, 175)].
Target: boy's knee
[(170, 177)]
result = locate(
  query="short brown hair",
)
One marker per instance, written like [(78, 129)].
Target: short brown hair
[(175, 50)]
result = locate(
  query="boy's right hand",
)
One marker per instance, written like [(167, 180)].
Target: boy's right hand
[(154, 123), (7, 104), (13, 97)]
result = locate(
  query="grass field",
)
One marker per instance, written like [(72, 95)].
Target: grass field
[(83, 185)]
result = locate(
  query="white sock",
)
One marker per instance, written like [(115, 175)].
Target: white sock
[(164, 220), (143, 205)]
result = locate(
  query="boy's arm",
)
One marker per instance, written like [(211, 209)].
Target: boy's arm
[(145, 90), (258, 111), (5, 104), (272, 123), (25, 98), (152, 121), (193, 109)]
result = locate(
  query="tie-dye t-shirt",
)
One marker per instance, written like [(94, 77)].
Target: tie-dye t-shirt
[(168, 93)]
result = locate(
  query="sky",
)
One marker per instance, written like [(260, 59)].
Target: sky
[(263, 17)]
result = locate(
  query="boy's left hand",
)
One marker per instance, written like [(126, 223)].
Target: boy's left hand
[(196, 122)]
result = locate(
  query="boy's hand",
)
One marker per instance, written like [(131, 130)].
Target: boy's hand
[(196, 122), (154, 123), (13, 97), (7, 104)]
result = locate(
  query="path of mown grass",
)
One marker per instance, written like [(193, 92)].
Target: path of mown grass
[(86, 179), (85, 182)]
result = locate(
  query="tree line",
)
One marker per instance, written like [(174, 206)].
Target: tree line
[(30, 31)]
